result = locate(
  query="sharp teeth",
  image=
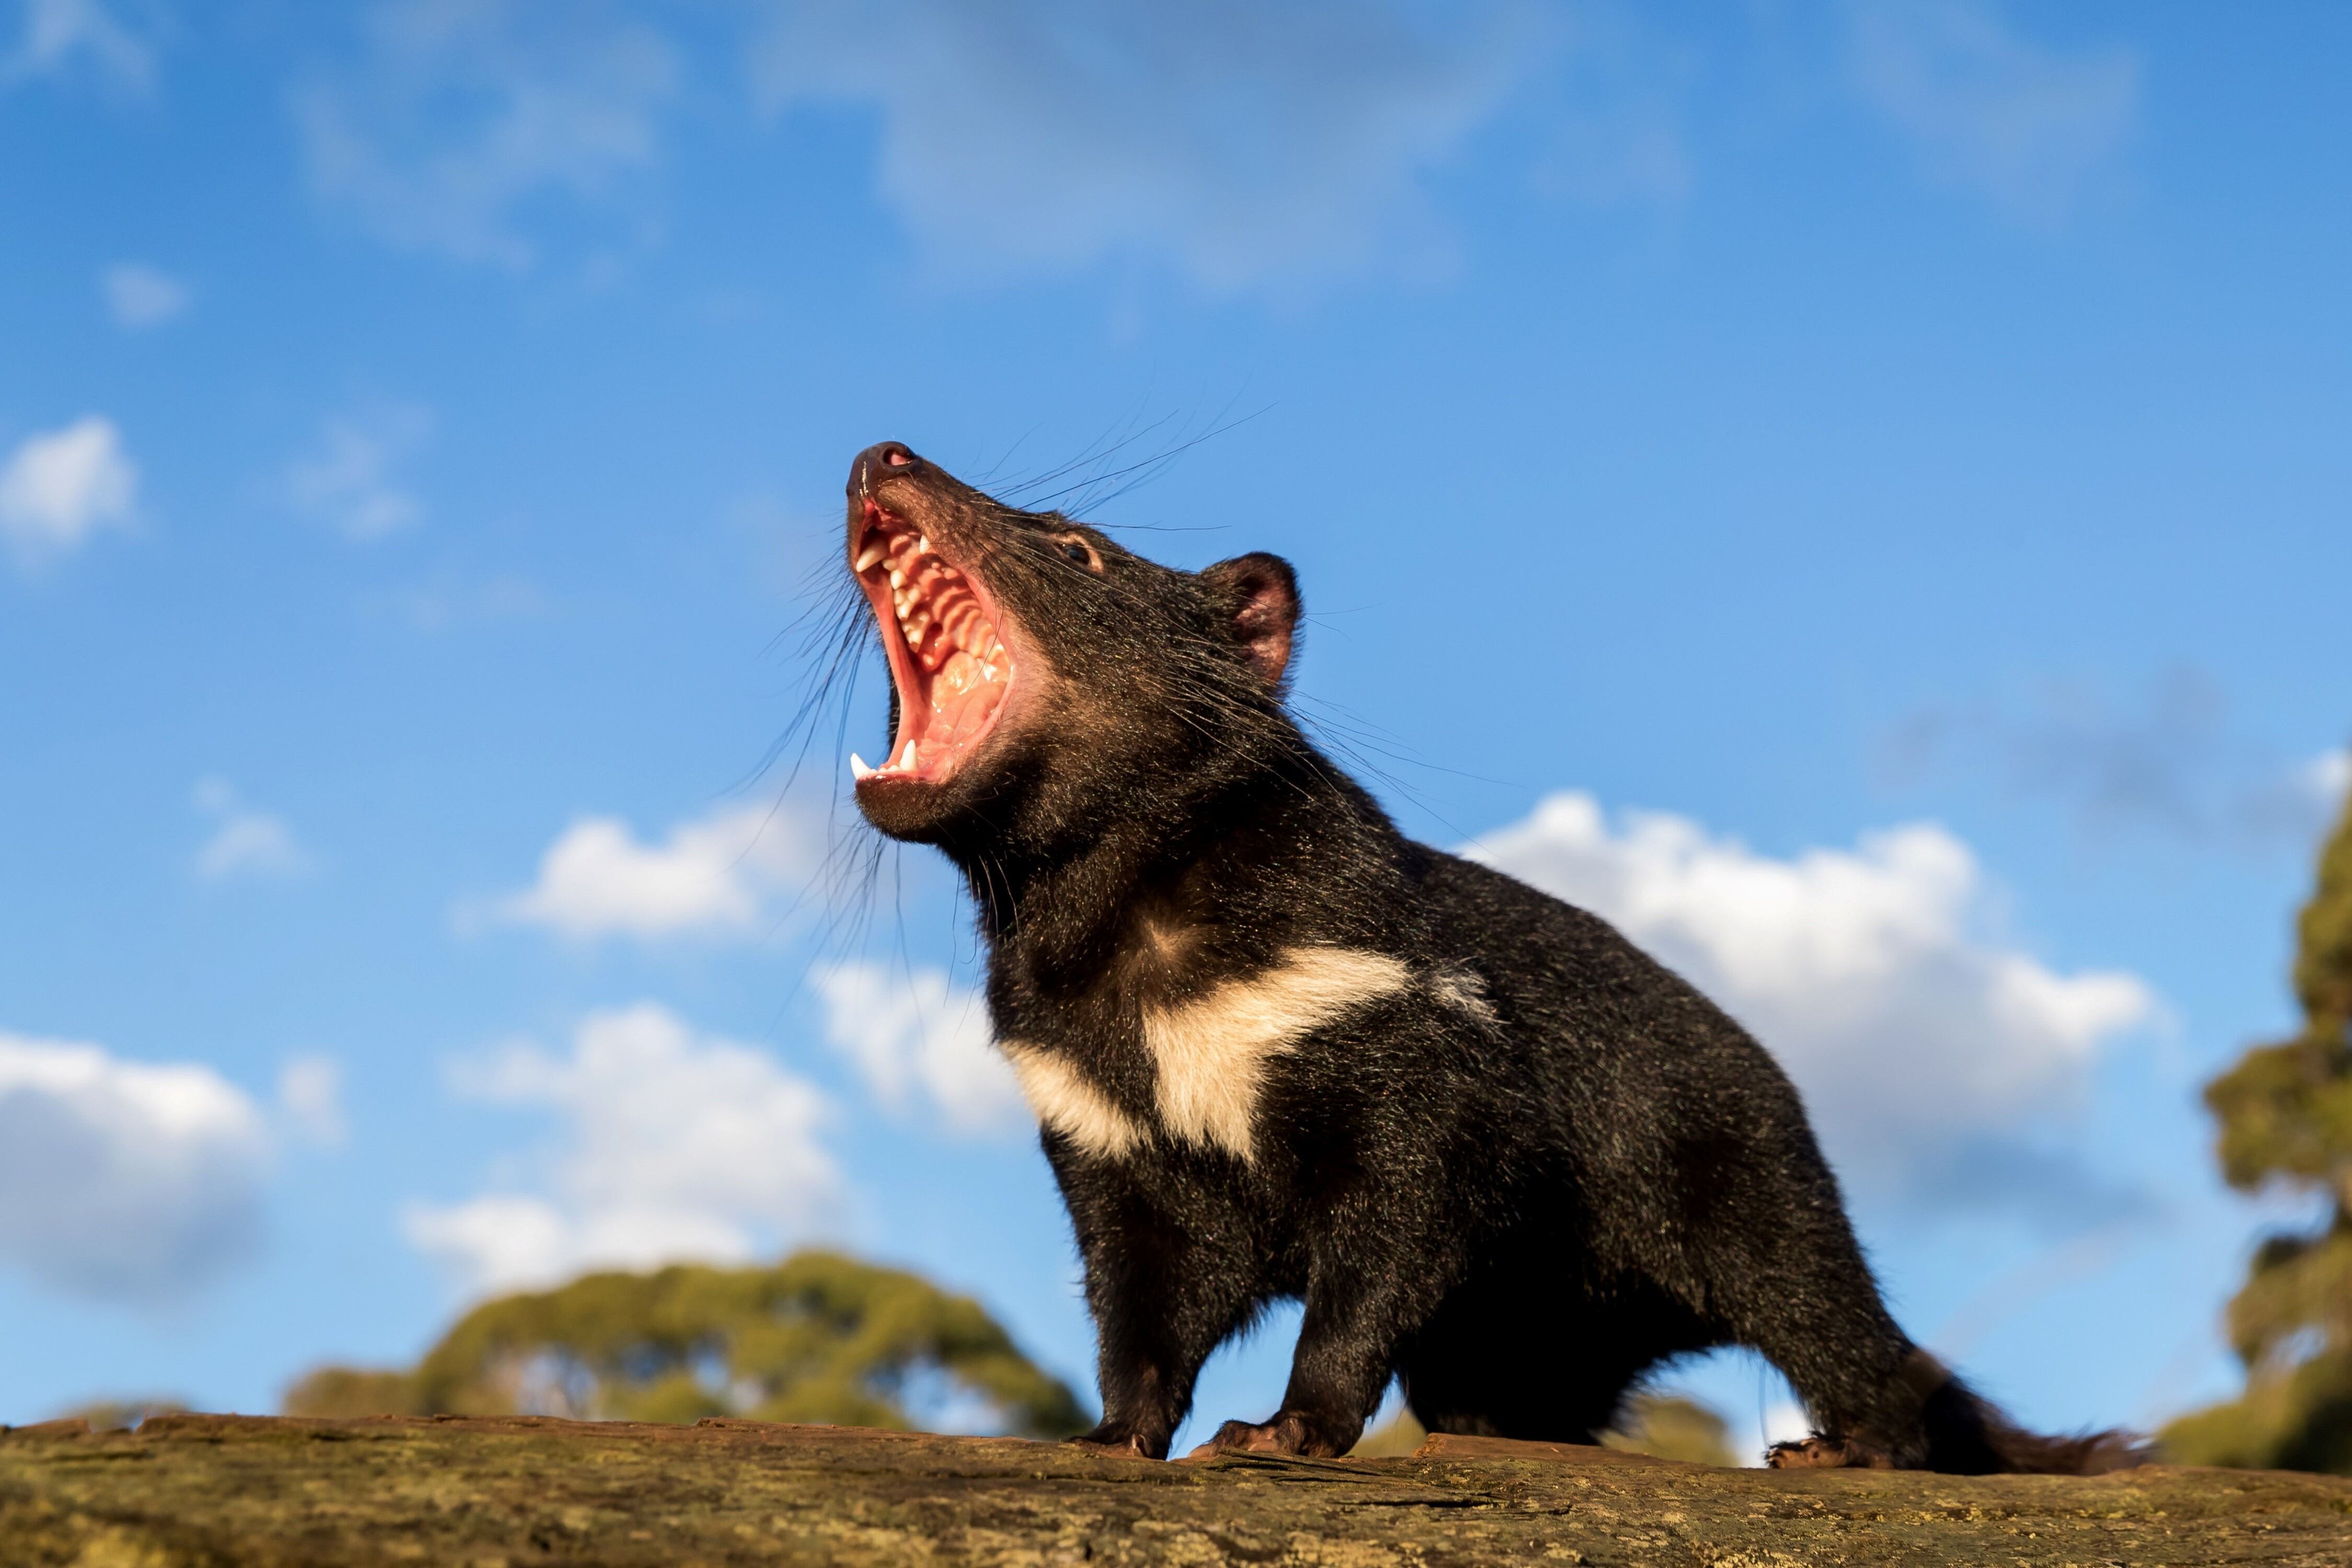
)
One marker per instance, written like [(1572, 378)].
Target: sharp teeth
[(922, 544), (907, 763), (859, 768), (870, 555), (897, 578)]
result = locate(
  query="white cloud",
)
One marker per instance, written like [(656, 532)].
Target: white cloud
[(124, 1180), (2028, 127), (58, 33), (675, 1146), (350, 480), (310, 1095), (715, 876), (244, 842), (914, 1036), (1914, 1033), (2327, 778), (2291, 805), (464, 111), (61, 485), (141, 296), (1252, 144)]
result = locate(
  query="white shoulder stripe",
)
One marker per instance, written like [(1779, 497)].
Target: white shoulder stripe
[(1460, 990), (1212, 1054), (1064, 1100)]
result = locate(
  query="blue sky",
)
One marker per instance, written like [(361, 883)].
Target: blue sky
[(1857, 494)]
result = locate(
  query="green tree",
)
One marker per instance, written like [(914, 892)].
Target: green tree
[(2285, 1116), (819, 1337)]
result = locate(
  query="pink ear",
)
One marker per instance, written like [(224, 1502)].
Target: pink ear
[(1262, 592)]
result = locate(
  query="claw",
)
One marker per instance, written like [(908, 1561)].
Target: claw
[(1818, 1453), (1126, 1445), (1287, 1433)]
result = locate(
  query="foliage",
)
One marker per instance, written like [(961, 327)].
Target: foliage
[(348, 1391), (1664, 1425), (1392, 1441), (2285, 1116), (818, 1338), (1672, 1428), (120, 1415)]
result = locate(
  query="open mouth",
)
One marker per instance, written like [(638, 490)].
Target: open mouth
[(938, 629)]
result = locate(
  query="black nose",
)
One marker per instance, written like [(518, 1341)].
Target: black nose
[(878, 463)]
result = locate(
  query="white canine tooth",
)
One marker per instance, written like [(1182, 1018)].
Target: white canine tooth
[(859, 768), (907, 763), (870, 555)]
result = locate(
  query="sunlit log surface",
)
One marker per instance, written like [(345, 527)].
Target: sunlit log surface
[(195, 1489)]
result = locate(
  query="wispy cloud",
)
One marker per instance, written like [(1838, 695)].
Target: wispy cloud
[(138, 296), (917, 1040), (124, 1181), (715, 876), (672, 1145), (60, 35), (244, 842), (350, 479), (1874, 974), (2026, 126), (457, 113), (2168, 759), (1247, 144), (310, 1098), (61, 485), (448, 602), (1244, 145)]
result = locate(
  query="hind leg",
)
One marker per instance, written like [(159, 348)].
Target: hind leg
[(1813, 1309)]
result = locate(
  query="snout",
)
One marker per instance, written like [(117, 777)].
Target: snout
[(888, 459)]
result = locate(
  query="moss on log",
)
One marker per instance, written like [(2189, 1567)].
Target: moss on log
[(208, 1489)]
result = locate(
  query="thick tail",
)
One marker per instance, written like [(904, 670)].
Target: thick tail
[(1948, 1426), (1967, 1434)]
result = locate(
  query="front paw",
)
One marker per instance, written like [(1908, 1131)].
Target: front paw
[(1291, 1432), (1819, 1453), (1121, 1442)]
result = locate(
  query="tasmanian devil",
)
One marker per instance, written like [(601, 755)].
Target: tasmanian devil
[(1277, 1050)]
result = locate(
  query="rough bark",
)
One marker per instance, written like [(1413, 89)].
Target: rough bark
[(203, 1489)]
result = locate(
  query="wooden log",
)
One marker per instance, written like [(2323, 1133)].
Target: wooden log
[(189, 1490)]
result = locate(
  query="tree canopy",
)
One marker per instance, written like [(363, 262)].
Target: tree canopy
[(819, 1338), (2285, 1116)]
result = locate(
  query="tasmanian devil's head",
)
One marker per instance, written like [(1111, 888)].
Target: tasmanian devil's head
[(1046, 682)]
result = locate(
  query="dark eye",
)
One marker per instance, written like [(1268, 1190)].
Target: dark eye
[(1074, 549)]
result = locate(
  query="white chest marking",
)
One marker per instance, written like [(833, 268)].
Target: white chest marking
[(1064, 1100), (1212, 1054)]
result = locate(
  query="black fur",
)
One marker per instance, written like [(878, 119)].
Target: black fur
[(1516, 1184)]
